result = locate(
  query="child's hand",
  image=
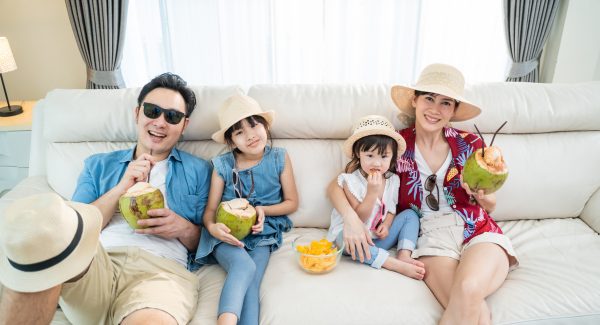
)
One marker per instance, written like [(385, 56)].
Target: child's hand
[(222, 232), (260, 220), (375, 184), (382, 231)]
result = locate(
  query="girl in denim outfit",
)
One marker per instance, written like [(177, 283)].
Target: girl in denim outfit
[(371, 187), (264, 176)]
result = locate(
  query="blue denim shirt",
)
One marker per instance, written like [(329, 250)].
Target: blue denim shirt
[(267, 191), (187, 184)]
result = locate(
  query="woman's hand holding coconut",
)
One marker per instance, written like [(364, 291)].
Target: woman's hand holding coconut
[(486, 201)]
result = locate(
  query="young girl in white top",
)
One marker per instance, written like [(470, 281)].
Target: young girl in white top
[(371, 186)]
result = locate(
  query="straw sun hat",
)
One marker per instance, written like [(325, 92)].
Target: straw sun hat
[(235, 109), (45, 241), (441, 79), (373, 125)]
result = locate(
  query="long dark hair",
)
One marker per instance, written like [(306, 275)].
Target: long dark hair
[(252, 120), (368, 143)]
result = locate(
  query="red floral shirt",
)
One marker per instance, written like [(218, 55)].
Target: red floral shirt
[(410, 195)]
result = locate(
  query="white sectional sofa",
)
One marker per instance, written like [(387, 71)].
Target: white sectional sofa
[(549, 206)]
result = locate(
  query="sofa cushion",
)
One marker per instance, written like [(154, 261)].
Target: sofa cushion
[(311, 121), (535, 107), (100, 115), (551, 285)]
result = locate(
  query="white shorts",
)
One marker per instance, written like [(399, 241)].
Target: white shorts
[(442, 235)]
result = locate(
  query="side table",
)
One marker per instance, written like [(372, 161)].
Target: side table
[(15, 142)]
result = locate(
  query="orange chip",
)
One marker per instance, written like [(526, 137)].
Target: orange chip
[(317, 263)]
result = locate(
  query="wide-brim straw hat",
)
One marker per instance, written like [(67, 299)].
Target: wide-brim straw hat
[(373, 125), (45, 241), (235, 109), (441, 79)]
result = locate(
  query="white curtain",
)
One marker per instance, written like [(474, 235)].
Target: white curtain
[(249, 42)]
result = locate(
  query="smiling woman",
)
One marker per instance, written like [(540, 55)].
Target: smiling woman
[(312, 41)]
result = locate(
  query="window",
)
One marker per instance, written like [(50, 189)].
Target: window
[(312, 41)]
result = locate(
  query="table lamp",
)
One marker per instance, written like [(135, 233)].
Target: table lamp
[(7, 63)]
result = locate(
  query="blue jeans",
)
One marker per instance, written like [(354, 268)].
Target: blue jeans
[(403, 232), (245, 270)]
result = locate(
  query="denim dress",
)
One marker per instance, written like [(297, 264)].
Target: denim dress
[(266, 191)]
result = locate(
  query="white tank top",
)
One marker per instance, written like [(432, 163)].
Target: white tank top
[(424, 172)]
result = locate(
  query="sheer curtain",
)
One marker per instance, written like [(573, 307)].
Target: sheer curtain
[(312, 41)]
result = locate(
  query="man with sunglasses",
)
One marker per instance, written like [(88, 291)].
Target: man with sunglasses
[(141, 276)]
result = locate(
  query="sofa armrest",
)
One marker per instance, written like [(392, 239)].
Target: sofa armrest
[(29, 186), (591, 212)]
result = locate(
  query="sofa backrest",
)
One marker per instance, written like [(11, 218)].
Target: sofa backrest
[(549, 143)]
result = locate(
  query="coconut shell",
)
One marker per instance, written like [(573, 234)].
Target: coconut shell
[(136, 202), (486, 173), (238, 215)]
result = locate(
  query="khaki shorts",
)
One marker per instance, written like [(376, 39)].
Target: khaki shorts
[(127, 279), (442, 235)]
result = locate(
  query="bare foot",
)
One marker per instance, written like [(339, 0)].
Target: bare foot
[(404, 255), (404, 268), (227, 318)]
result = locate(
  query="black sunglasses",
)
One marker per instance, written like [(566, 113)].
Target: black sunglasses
[(172, 116), (430, 184)]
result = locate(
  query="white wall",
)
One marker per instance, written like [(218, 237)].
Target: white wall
[(42, 42), (572, 53)]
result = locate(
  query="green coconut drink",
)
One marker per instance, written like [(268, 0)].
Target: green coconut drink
[(238, 215), (485, 168), (136, 202)]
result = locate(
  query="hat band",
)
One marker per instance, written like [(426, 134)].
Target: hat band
[(56, 259)]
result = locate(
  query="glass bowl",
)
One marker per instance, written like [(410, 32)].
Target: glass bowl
[(311, 253)]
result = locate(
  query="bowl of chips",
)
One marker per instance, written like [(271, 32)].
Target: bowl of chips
[(315, 254)]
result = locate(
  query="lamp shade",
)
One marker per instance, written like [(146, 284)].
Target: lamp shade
[(7, 61)]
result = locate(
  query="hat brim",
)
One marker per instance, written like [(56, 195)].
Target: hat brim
[(349, 143), (219, 136), (402, 97), (70, 267)]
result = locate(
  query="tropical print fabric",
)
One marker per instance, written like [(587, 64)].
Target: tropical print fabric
[(410, 196)]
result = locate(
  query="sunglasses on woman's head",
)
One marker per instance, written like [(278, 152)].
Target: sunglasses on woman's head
[(430, 184), (172, 116)]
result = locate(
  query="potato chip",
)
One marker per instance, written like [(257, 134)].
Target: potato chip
[(311, 259)]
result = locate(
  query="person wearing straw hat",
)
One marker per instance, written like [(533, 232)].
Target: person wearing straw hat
[(261, 174), (140, 276), (68, 233), (456, 228), (371, 186)]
